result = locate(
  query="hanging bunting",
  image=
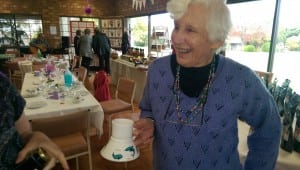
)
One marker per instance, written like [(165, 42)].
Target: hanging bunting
[(140, 3)]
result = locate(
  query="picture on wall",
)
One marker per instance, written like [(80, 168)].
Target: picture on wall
[(80, 25), (113, 28)]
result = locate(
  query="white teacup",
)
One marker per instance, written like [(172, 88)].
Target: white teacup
[(122, 128)]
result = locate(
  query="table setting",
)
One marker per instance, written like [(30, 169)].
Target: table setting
[(47, 95)]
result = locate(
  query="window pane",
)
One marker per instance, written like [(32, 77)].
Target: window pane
[(161, 28), (249, 40), (95, 20), (139, 33), (287, 55), (27, 28), (65, 25), (18, 30)]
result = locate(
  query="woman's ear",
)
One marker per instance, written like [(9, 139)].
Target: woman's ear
[(216, 44)]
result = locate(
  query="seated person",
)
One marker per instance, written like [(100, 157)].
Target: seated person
[(39, 43)]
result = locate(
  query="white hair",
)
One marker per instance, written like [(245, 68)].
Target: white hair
[(218, 22)]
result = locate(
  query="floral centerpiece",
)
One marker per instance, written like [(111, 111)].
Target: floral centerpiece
[(49, 69)]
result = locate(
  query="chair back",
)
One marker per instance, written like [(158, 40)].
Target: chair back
[(81, 73), (62, 125), (74, 62), (14, 74), (70, 132), (25, 66), (266, 76), (125, 90)]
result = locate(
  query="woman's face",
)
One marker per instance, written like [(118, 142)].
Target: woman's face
[(190, 38)]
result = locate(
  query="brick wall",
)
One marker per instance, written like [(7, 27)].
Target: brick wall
[(51, 10)]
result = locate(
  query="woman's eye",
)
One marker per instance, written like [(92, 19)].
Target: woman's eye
[(189, 30)]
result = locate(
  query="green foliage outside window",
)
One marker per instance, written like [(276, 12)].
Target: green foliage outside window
[(140, 34), (249, 48)]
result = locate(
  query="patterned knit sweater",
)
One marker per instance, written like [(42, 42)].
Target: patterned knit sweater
[(11, 108), (210, 141)]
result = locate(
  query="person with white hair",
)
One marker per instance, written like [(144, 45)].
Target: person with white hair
[(194, 98)]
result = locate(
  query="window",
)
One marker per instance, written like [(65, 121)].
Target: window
[(18, 30), (65, 25), (138, 32), (28, 28), (249, 39), (161, 28), (287, 54)]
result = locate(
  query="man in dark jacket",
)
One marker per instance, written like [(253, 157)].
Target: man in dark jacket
[(101, 47)]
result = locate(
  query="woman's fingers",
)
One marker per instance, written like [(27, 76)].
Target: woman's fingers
[(50, 164), (144, 131)]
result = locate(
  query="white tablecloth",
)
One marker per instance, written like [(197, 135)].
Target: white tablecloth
[(55, 107), (285, 161)]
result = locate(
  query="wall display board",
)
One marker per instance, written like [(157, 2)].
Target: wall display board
[(80, 25), (113, 29)]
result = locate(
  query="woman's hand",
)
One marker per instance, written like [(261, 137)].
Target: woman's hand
[(143, 131), (38, 139)]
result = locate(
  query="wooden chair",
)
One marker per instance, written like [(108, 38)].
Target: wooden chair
[(123, 97), (81, 73), (70, 132), (25, 67), (14, 74), (266, 76), (123, 100)]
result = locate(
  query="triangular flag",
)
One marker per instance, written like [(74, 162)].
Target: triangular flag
[(133, 3), (144, 3), (140, 4)]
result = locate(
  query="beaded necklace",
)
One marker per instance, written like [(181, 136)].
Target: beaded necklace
[(198, 107)]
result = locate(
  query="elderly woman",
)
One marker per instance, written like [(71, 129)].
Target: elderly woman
[(193, 98)]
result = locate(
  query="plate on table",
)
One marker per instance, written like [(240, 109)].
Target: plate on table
[(29, 95), (36, 105), (36, 82), (83, 93)]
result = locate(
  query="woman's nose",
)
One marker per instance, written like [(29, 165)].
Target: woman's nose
[(177, 37)]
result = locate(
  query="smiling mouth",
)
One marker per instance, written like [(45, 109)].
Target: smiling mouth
[(182, 50)]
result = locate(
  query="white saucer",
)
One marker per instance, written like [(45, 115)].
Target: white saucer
[(29, 95), (83, 93), (36, 105), (36, 82)]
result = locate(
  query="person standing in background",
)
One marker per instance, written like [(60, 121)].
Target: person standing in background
[(77, 47), (86, 51), (125, 43), (76, 42), (101, 47), (194, 99)]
